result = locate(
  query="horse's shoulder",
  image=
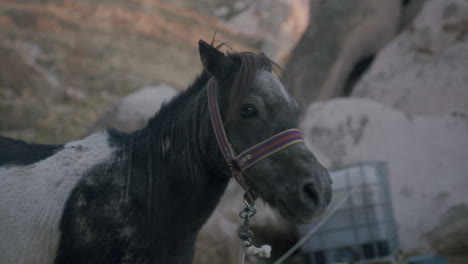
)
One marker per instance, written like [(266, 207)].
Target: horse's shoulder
[(18, 152)]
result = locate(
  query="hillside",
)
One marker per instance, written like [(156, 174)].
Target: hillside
[(64, 62)]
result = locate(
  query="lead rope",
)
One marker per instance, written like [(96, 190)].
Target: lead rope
[(239, 163), (245, 235), (339, 204)]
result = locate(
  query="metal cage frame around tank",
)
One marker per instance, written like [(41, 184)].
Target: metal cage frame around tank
[(363, 229)]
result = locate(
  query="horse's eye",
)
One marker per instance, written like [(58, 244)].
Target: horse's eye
[(247, 111)]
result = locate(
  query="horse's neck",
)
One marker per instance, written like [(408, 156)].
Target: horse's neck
[(173, 177)]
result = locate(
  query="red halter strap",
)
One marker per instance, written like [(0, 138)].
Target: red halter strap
[(239, 163)]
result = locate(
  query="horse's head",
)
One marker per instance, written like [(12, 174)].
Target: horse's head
[(255, 105)]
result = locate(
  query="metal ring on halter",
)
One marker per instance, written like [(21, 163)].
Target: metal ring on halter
[(245, 214), (247, 204), (248, 211)]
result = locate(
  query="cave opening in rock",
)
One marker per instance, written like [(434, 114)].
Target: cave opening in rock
[(405, 2), (356, 73)]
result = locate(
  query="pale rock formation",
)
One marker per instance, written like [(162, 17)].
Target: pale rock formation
[(425, 69), (278, 23), (340, 41), (275, 25), (426, 156), (133, 111)]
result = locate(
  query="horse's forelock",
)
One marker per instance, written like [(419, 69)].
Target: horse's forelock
[(249, 64)]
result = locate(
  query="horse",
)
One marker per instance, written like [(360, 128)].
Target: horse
[(142, 197)]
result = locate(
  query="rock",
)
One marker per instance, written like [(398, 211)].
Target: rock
[(339, 43), (276, 25), (411, 9), (426, 156), (22, 86), (425, 69), (133, 111), (449, 236)]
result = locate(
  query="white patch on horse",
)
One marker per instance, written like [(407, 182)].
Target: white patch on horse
[(32, 199)]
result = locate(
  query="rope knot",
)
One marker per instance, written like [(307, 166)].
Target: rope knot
[(263, 251)]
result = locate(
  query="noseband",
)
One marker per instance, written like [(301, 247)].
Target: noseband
[(239, 163)]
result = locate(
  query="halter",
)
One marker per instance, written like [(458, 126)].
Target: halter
[(239, 163)]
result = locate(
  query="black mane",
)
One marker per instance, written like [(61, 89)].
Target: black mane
[(166, 192)]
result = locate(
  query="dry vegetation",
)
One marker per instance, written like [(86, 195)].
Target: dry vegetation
[(65, 62)]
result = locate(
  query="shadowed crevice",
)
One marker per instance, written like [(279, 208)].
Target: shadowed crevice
[(356, 73)]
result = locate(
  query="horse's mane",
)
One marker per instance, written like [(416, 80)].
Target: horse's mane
[(240, 74)]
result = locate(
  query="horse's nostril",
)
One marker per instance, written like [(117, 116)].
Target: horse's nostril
[(311, 194)]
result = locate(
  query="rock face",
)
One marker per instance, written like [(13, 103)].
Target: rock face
[(411, 9), (133, 111), (280, 24), (423, 72), (426, 157), (338, 44), (425, 69), (277, 25), (21, 78), (417, 121)]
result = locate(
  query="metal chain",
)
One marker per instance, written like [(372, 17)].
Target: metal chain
[(245, 234)]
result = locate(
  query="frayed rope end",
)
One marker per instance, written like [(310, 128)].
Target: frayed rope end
[(263, 251)]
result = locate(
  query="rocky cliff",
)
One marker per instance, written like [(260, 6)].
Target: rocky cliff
[(64, 62)]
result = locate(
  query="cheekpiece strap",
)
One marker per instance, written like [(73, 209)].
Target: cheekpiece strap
[(239, 163)]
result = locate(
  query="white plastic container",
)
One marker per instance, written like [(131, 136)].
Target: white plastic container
[(363, 229)]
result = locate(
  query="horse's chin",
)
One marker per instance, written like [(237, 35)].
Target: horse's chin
[(302, 218)]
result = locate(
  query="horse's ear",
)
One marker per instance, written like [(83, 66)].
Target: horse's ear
[(212, 59)]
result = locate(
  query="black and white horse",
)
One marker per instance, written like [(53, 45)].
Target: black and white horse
[(143, 197)]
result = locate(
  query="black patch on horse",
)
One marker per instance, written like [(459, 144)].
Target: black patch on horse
[(94, 221), (18, 152)]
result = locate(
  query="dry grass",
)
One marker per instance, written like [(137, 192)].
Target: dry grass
[(59, 72)]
